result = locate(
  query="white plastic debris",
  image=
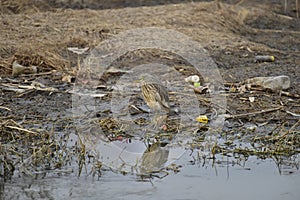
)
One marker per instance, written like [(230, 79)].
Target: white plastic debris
[(192, 79), (18, 69), (277, 83), (273, 82), (77, 50), (251, 99)]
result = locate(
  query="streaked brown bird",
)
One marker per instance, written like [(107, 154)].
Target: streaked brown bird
[(155, 94)]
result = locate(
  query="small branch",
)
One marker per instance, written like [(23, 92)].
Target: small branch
[(291, 129), (254, 113), (297, 9), (21, 129), (5, 108)]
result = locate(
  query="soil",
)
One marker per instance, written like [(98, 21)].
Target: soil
[(233, 32)]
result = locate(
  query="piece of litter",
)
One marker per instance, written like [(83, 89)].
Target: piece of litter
[(77, 50), (251, 99), (192, 79), (202, 119)]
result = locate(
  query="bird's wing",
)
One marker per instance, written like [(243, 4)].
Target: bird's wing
[(164, 99)]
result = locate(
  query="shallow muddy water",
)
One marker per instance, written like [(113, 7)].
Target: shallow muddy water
[(257, 179)]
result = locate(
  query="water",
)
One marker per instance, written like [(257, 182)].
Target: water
[(256, 179)]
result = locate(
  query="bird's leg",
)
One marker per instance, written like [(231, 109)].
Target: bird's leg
[(159, 120)]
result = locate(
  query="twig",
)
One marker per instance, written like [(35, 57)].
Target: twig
[(293, 114), (297, 9), (292, 128), (21, 129), (39, 74), (254, 113), (5, 108), (285, 6), (288, 94)]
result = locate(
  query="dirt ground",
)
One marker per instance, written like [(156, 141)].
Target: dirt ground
[(38, 33)]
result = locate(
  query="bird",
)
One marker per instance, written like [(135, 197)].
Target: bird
[(155, 94)]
